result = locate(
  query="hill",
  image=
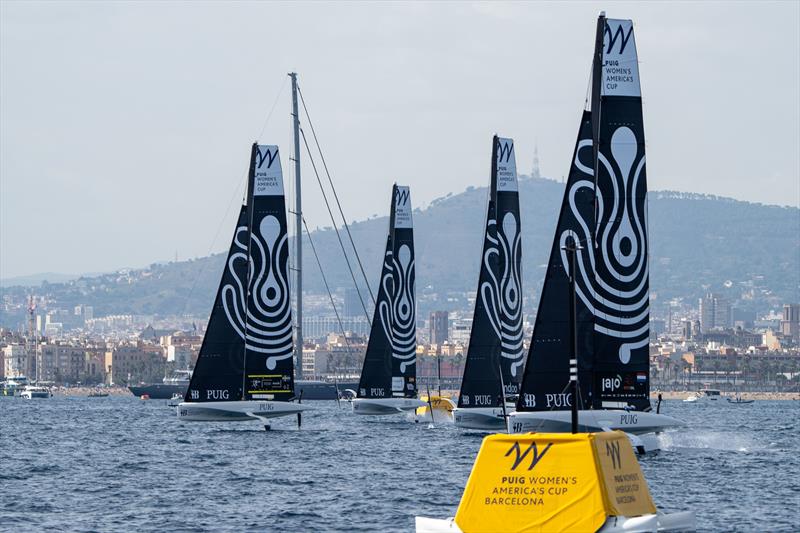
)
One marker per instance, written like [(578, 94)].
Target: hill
[(752, 251)]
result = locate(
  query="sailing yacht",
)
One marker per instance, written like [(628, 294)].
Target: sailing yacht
[(388, 382), (603, 216), (493, 368), (245, 369)]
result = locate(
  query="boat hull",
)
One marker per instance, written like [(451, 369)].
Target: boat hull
[(481, 418), (385, 406), (33, 395), (634, 422), (311, 389), (237, 411)]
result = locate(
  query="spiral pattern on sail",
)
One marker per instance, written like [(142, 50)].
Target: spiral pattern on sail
[(398, 310), (613, 281), (502, 298), (268, 322)]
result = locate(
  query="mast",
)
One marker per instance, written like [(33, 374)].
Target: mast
[(298, 217), (597, 80)]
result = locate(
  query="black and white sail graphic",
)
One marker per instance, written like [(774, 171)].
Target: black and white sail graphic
[(376, 373), (219, 369), (605, 213), (546, 378), (495, 343), (252, 313), (390, 362), (619, 294)]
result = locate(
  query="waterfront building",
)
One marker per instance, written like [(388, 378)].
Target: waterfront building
[(15, 361), (134, 363)]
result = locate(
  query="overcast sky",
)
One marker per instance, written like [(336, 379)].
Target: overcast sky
[(125, 128)]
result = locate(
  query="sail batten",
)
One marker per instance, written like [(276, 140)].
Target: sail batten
[(495, 344)]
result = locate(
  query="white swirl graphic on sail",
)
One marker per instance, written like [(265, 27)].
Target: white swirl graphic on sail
[(616, 290), (502, 298), (398, 311), (268, 320)]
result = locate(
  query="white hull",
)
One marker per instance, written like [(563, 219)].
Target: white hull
[(481, 418), (683, 521), (385, 406), (32, 391), (235, 411), (593, 420)]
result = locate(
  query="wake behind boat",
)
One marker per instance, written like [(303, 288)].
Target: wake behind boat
[(493, 368), (388, 382), (601, 245), (245, 369)]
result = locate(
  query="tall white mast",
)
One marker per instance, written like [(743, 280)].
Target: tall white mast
[(298, 214)]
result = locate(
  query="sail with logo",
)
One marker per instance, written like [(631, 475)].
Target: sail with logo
[(493, 368), (388, 378), (245, 369), (604, 214)]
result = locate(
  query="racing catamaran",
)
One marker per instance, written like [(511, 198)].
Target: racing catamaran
[(493, 368), (604, 220), (245, 369), (388, 382)]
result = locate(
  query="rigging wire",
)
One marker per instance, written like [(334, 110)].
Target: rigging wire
[(335, 228), (327, 287), (336, 197)]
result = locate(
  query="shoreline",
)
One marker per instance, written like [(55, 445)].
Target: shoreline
[(682, 395), (666, 395)]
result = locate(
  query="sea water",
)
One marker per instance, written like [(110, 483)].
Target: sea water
[(122, 464)]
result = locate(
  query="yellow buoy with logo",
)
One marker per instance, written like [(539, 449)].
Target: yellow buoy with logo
[(441, 405), (541, 482)]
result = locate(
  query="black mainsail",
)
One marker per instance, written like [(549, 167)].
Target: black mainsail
[(247, 349), (604, 212), (390, 362), (495, 343)]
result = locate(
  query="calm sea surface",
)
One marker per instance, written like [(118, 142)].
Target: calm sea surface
[(121, 464)]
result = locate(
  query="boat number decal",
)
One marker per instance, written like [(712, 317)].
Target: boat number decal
[(628, 419), (376, 392), (266, 407)]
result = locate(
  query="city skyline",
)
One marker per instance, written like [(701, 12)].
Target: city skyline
[(101, 117)]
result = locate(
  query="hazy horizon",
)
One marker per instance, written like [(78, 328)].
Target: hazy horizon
[(125, 127)]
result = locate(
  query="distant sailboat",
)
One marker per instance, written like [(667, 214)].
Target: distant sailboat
[(388, 382), (604, 215), (245, 370), (494, 355)]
